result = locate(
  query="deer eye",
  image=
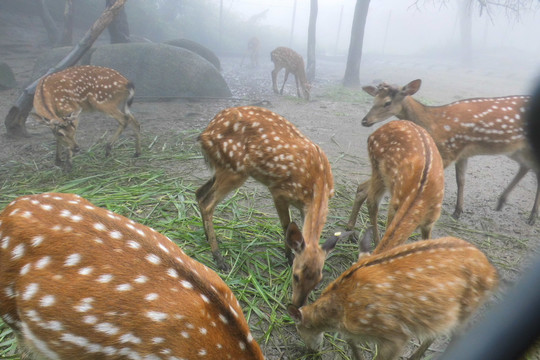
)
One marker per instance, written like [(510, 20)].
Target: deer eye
[(296, 278), (387, 104)]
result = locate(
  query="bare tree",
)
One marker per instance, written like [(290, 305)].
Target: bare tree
[(119, 27), (16, 118), (352, 71), (67, 34)]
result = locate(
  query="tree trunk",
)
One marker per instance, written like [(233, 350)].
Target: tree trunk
[(119, 27), (352, 71), (465, 30), (48, 22), (312, 32), (16, 118), (67, 35)]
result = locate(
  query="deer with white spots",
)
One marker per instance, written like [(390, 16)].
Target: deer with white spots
[(245, 142), (465, 128), (404, 160), (424, 289), (292, 62), (61, 97), (81, 282)]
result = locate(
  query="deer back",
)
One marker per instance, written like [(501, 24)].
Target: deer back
[(81, 282), (425, 289), (85, 87)]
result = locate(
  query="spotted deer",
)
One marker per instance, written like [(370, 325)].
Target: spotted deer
[(60, 97), (245, 142), (479, 126), (405, 161), (292, 62), (82, 282), (424, 289)]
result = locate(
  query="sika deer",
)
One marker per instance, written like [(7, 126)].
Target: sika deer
[(60, 98), (292, 62), (81, 282), (480, 126), (252, 141), (404, 160), (424, 289)]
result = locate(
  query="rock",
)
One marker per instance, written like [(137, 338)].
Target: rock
[(7, 78), (197, 49)]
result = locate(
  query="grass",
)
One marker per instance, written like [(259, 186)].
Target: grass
[(157, 190)]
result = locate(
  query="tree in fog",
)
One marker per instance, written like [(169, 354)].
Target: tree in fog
[(312, 30), (352, 71)]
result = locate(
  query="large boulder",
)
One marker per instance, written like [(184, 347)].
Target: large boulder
[(197, 49), (157, 70)]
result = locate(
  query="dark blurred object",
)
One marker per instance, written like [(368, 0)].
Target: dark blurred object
[(513, 326)]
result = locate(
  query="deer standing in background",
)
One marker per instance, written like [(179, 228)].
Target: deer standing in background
[(465, 128), (81, 282), (405, 161), (424, 289), (60, 98), (254, 142), (292, 62)]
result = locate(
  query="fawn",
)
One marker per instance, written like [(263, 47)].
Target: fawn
[(404, 160), (60, 97), (252, 141), (423, 289), (292, 62), (465, 128), (81, 282)]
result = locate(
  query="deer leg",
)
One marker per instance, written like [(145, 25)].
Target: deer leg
[(417, 355), (122, 120), (282, 207), (534, 211), (58, 158), (284, 81), (208, 197), (297, 86), (357, 354), (375, 193), (461, 167), (361, 195), (523, 170)]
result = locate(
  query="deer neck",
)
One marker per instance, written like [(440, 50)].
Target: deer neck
[(418, 113)]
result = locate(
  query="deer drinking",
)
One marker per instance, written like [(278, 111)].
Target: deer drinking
[(60, 97), (405, 161), (254, 142), (424, 289), (81, 282)]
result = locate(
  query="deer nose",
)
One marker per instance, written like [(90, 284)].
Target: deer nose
[(76, 148), (365, 122)]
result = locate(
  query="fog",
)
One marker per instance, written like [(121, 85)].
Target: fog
[(397, 27)]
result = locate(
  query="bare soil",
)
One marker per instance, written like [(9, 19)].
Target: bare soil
[(331, 122)]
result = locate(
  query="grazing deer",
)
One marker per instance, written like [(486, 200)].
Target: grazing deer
[(60, 98), (479, 126), (292, 62), (81, 282), (404, 160), (424, 289), (252, 141)]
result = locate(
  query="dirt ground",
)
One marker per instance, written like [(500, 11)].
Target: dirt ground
[(335, 125)]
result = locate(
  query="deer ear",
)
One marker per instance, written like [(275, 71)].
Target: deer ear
[(371, 90), (40, 119), (73, 116), (295, 313), (330, 244), (294, 238), (412, 87)]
